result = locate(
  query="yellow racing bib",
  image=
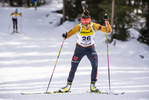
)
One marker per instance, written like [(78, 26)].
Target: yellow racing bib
[(85, 37)]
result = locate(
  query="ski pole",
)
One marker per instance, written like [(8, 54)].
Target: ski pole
[(9, 26), (107, 53), (55, 65), (20, 24)]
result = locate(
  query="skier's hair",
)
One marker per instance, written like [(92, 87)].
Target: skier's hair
[(86, 18), (86, 14)]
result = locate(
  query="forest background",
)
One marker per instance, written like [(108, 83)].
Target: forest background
[(127, 14)]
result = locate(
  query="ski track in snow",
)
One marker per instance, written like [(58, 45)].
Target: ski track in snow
[(27, 60)]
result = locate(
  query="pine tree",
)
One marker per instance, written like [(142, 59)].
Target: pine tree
[(122, 19), (144, 38)]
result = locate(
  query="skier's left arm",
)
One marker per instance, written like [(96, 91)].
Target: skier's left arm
[(102, 28), (20, 14), (109, 29), (108, 26)]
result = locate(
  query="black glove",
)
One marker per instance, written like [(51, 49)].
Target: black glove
[(64, 35), (106, 17)]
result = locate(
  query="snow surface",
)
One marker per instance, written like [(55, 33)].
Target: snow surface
[(27, 60)]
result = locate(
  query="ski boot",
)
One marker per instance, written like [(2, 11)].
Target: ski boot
[(66, 88), (13, 31), (16, 31), (93, 87)]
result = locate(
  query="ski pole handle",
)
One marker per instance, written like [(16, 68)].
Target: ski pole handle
[(106, 18)]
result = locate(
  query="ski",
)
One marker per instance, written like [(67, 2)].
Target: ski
[(118, 93), (37, 93), (99, 92), (108, 93), (113, 93), (15, 32), (61, 92), (69, 92)]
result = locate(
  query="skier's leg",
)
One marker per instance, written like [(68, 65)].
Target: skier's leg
[(78, 54), (13, 21), (93, 57), (35, 3), (16, 23)]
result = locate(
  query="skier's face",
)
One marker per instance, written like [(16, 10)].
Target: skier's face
[(86, 21)]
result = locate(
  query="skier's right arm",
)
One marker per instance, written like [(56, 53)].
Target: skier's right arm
[(71, 32)]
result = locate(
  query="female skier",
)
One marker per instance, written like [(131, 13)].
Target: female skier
[(15, 21), (85, 46)]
